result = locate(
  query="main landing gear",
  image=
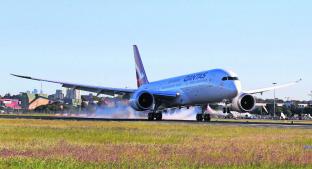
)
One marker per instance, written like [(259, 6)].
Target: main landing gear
[(154, 116), (227, 110), (203, 116)]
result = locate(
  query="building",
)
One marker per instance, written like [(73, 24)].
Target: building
[(38, 101), (28, 100), (35, 91), (58, 96), (302, 105), (73, 97), (14, 104), (73, 94)]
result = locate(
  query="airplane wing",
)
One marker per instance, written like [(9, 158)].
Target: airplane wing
[(104, 90), (95, 89), (257, 91)]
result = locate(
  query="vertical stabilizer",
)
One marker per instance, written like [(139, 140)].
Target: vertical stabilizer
[(140, 71)]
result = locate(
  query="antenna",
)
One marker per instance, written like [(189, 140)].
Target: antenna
[(41, 91)]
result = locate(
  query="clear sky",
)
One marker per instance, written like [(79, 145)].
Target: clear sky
[(90, 42)]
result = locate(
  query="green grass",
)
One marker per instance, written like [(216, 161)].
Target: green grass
[(70, 144)]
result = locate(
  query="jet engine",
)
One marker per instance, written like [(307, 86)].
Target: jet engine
[(243, 103), (142, 101)]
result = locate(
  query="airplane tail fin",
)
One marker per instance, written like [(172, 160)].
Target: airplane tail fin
[(140, 71)]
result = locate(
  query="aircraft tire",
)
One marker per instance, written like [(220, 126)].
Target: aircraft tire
[(151, 116), (207, 118), (158, 116), (199, 117)]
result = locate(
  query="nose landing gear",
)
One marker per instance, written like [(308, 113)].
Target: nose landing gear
[(226, 110)]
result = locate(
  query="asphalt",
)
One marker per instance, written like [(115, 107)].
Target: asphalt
[(215, 122)]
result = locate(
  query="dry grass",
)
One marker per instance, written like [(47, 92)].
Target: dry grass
[(63, 144)]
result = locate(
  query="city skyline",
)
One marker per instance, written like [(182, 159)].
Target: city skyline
[(90, 43)]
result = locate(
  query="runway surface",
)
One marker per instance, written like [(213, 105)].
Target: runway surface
[(246, 123)]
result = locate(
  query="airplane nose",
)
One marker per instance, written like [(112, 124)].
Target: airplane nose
[(235, 91), (236, 87)]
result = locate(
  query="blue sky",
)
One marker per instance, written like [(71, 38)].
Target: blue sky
[(90, 42)]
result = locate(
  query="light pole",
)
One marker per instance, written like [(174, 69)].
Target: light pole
[(274, 102), (310, 103)]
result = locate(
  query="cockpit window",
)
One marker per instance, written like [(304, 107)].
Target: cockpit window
[(233, 78), (229, 78)]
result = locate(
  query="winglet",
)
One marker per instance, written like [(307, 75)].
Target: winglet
[(140, 71), (20, 76), (299, 80), (31, 78)]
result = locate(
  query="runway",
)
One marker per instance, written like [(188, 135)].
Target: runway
[(247, 123)]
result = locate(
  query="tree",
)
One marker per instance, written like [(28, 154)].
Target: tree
[(287, 111), (8, 95), (51, 108), (308, 110), (258, 111)]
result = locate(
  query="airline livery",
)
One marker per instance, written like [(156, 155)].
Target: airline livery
[(197, 89)]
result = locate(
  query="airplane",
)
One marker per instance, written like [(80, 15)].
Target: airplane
[(196, 89)]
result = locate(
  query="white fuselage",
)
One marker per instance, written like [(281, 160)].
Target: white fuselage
[(204, 87)]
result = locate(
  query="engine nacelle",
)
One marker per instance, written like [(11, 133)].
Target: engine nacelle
[(142, 101), (243, 103)]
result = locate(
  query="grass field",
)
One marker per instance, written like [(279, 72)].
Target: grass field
[(70, 144)]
